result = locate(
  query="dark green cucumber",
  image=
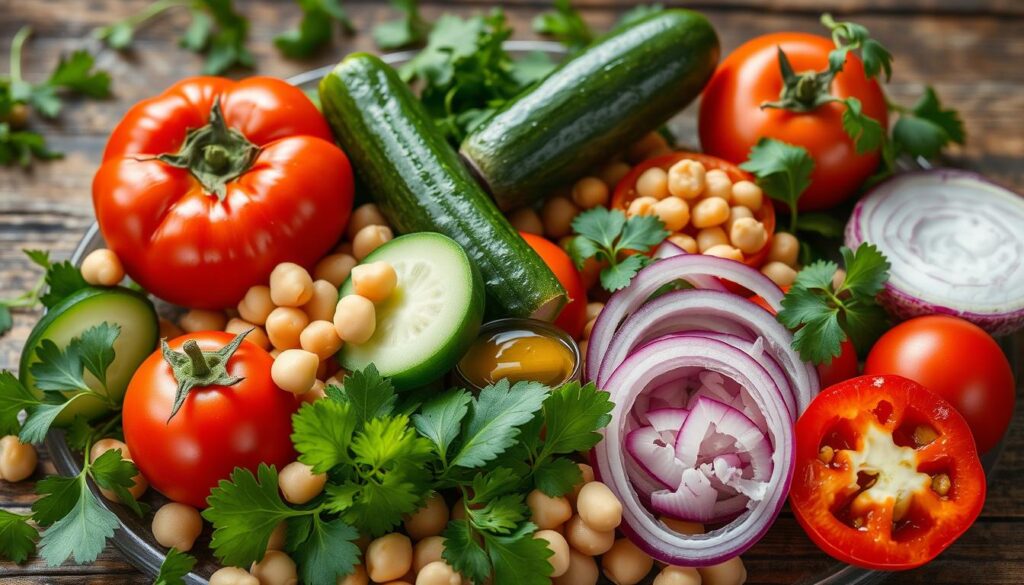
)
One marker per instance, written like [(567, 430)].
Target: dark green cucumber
[(619, 89), (420, 184)]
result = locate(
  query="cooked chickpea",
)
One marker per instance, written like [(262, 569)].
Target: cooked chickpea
[(299, 484), (588, 476), (559, 548), (427, 551), (687, 243), (169, 329), (362, 216), (599, 507), (429, 520), (641, 206), (594, 309), (547, 512), (735, 213), (681, 526), (276, 568), (294, 370), (557, 215), (388, 557), (589, 328), (643, 148), (334, 268), (278, 537), (625, 563), (725, 251), (321, 339), (582, 570), (614, 172), (718, 184), (369, 239), (315, 393), (686, 179), (102, 267), (526, 219), (673, 212), (709, 212), (355, 319), (779, 273), (438, 573), (285, 325), (357, 577), (678, 576), (177, 525), (17, 460), (785, 248), (256, 305), (256, 333), (102, 446), (232, 576), (653, 183), (710, 237), (321, 305), (290, 285), (590, 192), (375, 281), (203, 320), (730, 572), (748, 195), (587, 540), (748, 235)]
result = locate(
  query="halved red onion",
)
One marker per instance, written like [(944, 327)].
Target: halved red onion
[(667, 419), (656, 455), (713, 429)]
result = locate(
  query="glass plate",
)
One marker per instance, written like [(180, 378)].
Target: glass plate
[(775, 551)]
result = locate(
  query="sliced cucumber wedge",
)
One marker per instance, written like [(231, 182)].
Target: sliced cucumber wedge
[(130, 310), (426, 325)]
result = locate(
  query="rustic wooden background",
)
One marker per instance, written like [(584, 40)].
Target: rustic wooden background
[(972, 51)]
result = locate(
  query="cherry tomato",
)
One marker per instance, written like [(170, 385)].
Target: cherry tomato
[(218, 427), (208, 186), (958, 361), (732, 121), (573, 317), (886, 475)]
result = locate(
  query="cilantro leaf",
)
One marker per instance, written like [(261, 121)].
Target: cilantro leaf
[(62, 280), (76, 73), (494, 418), (95, 347), (867, 134), (600, 225), (783, 171), (500, 514), (322, 432), (110, 471), (327, 552), (315, 29), (369, 394), (17, 537), (58, 370), (604, 233), (532, 67), (618, 275), (440, 419), (20, 146), (387, 442), (381, 503), (556, 477), (174, 568), (408, 30), (867, 270), (219, 33), (642, 232), (40, 419), (14, 398), (463, 553), (40, 258), (494, 483), (850, 36), (60, 495), (82, 533), (573, 414), (927, 128), (519, 558), (565, 24)]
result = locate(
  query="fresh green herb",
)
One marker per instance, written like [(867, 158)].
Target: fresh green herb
[(849, 36), (17, 537), (315, 30), (410, 29), (604, 234), (925, 129), (174, 568), (565, 25), (60, 280), (783, 171), (824, 315)]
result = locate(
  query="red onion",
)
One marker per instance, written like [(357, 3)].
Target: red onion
[(667, 419), (656, 455), (742, 437)]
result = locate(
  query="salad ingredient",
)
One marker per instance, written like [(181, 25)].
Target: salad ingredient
[(102, 268), (548, 512), (677, 576), (355, 319), (519, 350), (335, 268), (388, 557), (299, 484), (206, 161), (362, 216), (710, 212), (427, 551), (177, 526), (729, 572), (558, 214), (233, 576), (565, 25), (196, 320), (369, 239), (211, 392), (315, 30), (598, 507), (582, 570), (324, 301), (17, 460), (671, 55), (438, 573), (606, 234), (573, 315), (175, 566), (290, 285), (559, 548), (294, 370), (257, 305), (526, 221), (887, 474), (956, 360), (428, 322), (429, 520), (784, 171), (253, 333), (377, 120), (284, 327), (625, 563), (587, 540), (276, 568), (375, 281), (785, 248), (955, 245), (140, 484), (781, 274), (321, 339), (590, 192)]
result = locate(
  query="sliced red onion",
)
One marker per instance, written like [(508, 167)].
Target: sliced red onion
[(656, 455), (693, 501), (955, 242), (667, 419), (710, 420)]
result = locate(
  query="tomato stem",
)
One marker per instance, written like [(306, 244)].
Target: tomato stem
[(199, 366), (194, 368)]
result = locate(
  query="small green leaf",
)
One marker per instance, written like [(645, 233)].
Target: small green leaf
[(782, 170), (174, 568), (81, 534), (17, 537), (557, 477), (494, 419)]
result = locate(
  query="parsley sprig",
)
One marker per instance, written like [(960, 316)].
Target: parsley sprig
[(607, 235), (59, 281), (410, 29), (315, 30), (565, 25), (174, 568)]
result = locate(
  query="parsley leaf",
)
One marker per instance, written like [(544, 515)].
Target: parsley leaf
[(927, 128), (324, 551), (59, 496), (565, 24), (17, 537), (782, 170), (174, 568), (110, 471), (494, 418), (464, 553), (867, 134), (603, 233), (440, 419), (75, 73), (850, 36), (572, 416), (322, 432), (20, 146), (411, 29), (618, 275), (62, 280), (315, 29), (370, 395), (82, 533), (556, 477), (14, 398), (518, 558)]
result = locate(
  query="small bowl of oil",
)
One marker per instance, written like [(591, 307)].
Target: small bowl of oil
[(519, 350)]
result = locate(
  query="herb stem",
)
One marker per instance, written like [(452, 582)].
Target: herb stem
[(16, 48), (153, 10), (107, 426)]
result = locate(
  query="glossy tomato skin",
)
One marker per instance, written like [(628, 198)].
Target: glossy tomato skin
[(183, 244), (573, 317), (217, 428), (731, 120), (958, 361)]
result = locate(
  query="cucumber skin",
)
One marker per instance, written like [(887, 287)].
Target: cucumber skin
[(593, 105), (420, 184)]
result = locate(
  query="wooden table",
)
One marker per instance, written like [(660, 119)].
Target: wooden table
[(972, 51)]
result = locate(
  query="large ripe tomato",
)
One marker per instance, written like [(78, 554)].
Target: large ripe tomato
[(573, 317), (886, 473), (732, 120), (958, 361), (218, 427), (208, 186)]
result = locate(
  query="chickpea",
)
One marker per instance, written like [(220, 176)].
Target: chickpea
[(369, 239), (233, 576), (438, 573), (599, 507), (294, 370), (748, 195), (256, 333), (559, 558), (557, 215), (285, 325), (593, 310), (653, 183), (375, 281), (686, 179), (673, 212), (388, 557), (785, 248), (725, 251), (730, 572), (102, 446), (678, 576), (718, 184), (641, 206), (256, 305), (687, 243), (681, 526), (582, 570), (362, 216), (335, 269), (102, 267), (320, 338), (315, 393), (321, 305), (589, 328), (427, 551), (614, 172), (735, 213), (748, 235), (290, 285), (357, 577), (709, 213), (17, 460), (276, 568), (779, 273), (838, 278), (587, 540), (526, 219), (169, 329), (203, 320), (590, 192), (625, 563), (299, 484), (177, 525), (278, 537), (710, 237), (642, 149), (547, 512), (355, 319), (429, 520)]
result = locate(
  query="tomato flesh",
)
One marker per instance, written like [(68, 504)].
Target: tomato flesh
[(573, 317)]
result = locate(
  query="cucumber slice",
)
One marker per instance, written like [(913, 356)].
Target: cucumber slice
[(132, 311), (426, 325)]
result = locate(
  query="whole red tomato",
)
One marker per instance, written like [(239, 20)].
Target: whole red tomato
[(208, 186), (573, 317), (234, 415), (958, 361), (732, 119)]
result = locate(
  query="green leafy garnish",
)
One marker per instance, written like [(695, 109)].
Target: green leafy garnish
[(17, 537), (850, 36), (323, 550), (315, 29), (783, 171), (604, 234), (60, 281), (925, 129), (174, 568), (410, 29), (565, 25)]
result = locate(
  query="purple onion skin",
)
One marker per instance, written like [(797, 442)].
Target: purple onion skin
[(900, 304)]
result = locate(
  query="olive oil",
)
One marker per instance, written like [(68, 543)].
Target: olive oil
[(519, 350)]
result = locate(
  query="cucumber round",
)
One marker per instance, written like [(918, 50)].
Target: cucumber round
[(428, 323), (128, 309)]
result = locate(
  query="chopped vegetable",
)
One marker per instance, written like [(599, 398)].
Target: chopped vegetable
[(606, 234)]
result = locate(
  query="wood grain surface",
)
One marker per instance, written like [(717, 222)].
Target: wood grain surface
[(971, 51)]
